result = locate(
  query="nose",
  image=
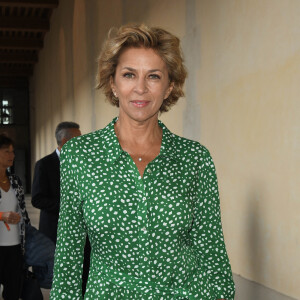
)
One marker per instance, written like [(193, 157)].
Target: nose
[(141, 86)]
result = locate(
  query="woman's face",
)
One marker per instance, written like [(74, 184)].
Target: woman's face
[(141, 83), (7, 156)]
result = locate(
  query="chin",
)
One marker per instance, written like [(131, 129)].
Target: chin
[(143, 116)]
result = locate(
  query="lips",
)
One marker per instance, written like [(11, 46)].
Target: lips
[(140, 103)]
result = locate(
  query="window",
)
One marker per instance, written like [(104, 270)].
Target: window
[(6, 112)]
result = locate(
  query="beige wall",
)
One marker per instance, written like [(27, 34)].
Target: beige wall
[(242, 102), (249, 102)]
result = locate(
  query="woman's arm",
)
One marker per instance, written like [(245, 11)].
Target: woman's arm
[(207, 234), (67, 283), (10, 217)]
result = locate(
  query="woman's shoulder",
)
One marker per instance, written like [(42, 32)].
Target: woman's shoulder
[(192, 149), (183, 148), (16, 184), (89, 142), (15, 178), (192, 154), (86, 140)]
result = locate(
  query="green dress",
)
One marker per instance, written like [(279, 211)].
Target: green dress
[(153, 237)]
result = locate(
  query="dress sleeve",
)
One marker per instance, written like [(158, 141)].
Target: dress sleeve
[(207, 234), (67, 283)]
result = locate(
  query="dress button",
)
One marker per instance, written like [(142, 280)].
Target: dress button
[(145, 258), (144, 198), (144, 229), (149, 170)]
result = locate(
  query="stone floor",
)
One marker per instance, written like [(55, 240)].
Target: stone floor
[(249, 290)]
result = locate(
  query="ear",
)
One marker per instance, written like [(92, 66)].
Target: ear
[(63, 141), (112, 85), (169, 90)]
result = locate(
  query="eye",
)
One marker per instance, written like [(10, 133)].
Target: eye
[(154, 76), (128, 75)]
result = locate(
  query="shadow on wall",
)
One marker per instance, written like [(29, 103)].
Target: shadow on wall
[(256, 243), (255, 236)]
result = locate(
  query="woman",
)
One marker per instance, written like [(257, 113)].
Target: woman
[(147, 198), (13, 216)]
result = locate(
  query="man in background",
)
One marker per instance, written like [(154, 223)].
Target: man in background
[(46, 181), (46, 189)]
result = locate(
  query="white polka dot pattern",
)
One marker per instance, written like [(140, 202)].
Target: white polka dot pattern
[(156, 237)]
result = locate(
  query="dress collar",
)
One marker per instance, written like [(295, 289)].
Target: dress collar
[(111, 144), (167, 145), (114, 150)]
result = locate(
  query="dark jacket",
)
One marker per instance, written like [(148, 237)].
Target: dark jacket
[(45, 194)]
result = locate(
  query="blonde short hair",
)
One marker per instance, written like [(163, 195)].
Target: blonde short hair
[(165, 44)]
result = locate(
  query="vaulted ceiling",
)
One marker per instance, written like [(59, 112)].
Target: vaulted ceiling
[(23, 25)]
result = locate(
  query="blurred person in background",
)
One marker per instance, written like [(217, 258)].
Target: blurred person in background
[(13, 216), (46, 188), (46, 181)]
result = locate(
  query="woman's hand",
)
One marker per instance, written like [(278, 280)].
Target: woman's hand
[(10, 217)]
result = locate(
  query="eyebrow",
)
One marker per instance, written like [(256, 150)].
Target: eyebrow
[(150, 71)]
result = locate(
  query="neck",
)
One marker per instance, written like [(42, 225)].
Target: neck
[(2, 173), (142, 140), (137, 133), (3, 177)]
